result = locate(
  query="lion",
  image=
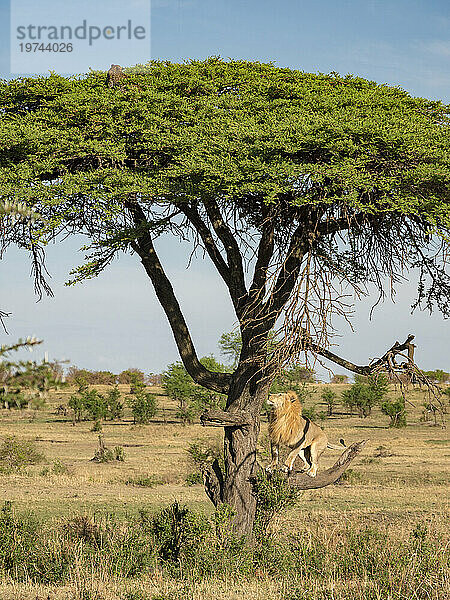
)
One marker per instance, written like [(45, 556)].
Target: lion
[(287, 426)]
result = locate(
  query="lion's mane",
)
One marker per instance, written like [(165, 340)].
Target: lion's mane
[(286, 420)]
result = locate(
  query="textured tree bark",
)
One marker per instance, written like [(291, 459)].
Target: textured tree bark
[(241, 423), (329, 476)]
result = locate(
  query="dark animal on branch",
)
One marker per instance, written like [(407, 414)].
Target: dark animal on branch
[(114, 76)]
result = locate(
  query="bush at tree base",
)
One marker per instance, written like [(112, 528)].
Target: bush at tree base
[(191, 548)]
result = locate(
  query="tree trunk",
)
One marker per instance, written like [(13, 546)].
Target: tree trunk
[(240, 453)]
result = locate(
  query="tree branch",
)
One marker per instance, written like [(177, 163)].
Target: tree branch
[(223, 418), (143, 246), (265, 253), (288, 274), (234, 257), (305, 482), (211, 248), (387, 359)]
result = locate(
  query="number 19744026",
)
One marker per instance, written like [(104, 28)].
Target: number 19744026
[(40, 47)]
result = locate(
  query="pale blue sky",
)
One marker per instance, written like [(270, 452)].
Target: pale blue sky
[(115, 322)]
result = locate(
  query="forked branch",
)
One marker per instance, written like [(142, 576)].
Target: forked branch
[(305, 482)]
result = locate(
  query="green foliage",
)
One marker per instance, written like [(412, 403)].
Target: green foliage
[(187, 549), (241, 131), (190, 397), (330, 399), (309, 412), (178, 531), (148, 481), (365, 393), (143, 404), (202, 454), (115, 406), (274, 494), (293, 378), (106, 455), (395, 411), (90, 404), (27, 383), (230, 345), (16, 454), (438, 375), (194, 478), (364, 135)]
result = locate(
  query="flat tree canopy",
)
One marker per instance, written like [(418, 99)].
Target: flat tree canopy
[(317, 183)]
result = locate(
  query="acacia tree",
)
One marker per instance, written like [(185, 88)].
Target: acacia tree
[(312, 182)]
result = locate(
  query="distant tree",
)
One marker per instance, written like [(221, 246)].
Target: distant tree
[(339, 379), (103, 378), (365, 393), (396, 412), (153, 379), (180, 387), (114, 405), (293, 378), (379, 385), (438, 376), (131, 375), (90, 404), (27, 383), (330, 399), (230, 345), (78, 377), (143, 404), (191, 398), (359, 396)]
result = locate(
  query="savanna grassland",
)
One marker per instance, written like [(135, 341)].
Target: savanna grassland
[(380, 533)]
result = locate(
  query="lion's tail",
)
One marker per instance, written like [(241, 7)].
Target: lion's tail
[(335, 446)]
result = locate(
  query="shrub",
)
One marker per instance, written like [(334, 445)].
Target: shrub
[(293, 379), (396, 412), (148, 481), (273, 494), (114, 405), (202, 454), (143, 406), (190, 397), (60, 468), (104, 454), (15, 454), (194, 478), (310, 412), (178, 531), (364, 396), (329, 397)]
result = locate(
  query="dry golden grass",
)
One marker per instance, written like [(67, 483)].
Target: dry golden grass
[(399, 480), (411, 478)]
